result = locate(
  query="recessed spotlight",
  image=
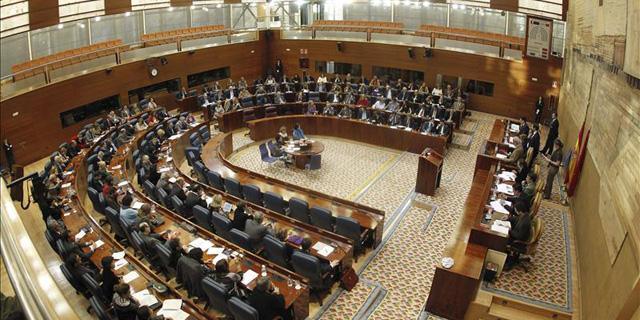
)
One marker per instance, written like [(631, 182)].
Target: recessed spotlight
[(426, 3), (60, 26), (170, 9), (81, 25), (128, 13), (96, 19), (205, 9)]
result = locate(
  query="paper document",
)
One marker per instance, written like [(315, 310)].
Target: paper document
[(506, 175), (175, 136), (80, 235), (500, 229), (145, 298), (120, 263), (248, 277), (215, 251), (323, 249), (66, 173), (209, 200), (505, 188), (503, 223), (123, 183), (130, 276), (116, 167), (219, 257), (501, 156), (137, 205), (66, 185), (496, 206), (165, 169), (172, 304), (173, 314), (97, 245), (169, 159), (118, 255)]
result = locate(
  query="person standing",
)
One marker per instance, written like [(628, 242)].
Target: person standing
[(8, 152), (539, 108), (554, 165), (553, 134)]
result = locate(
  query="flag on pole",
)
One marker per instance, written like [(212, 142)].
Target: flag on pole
[(574, 156), (575, 173)]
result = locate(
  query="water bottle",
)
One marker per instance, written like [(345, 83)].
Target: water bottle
[(264, 270)]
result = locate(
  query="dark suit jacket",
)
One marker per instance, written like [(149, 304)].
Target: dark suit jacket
[(192, 200), (239, 220), (255, 231), (269, 305), (553, 128), (190, 273), (177, 191), (520, 227), (524, 129), (109, 279)]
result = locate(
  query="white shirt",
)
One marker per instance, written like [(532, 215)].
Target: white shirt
[(436, 92), (379, 105)]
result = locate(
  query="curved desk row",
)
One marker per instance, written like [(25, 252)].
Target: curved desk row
[(214, 156), (79, 216), (343, 253), (298, 299), (380, 135)]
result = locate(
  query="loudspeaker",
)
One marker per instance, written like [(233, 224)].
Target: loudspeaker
[(411, 53), (339, 46), (428, 53)]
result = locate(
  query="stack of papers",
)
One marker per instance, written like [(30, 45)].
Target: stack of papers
[(145, 298), (118, 255), (501, 156), (248, 277), (498, 207), (130, 276), (66, 185), (137, 205), (97, 245), (500, 228), (214, 251), (506, 175), (120, 263), (80, 235), (171, 308), (203, 244), (323, 249), (123, 183), (505, 188)]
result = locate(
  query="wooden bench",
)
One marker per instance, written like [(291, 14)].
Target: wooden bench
[(359, 26), (65, 58), (474, 36), (170, 36)]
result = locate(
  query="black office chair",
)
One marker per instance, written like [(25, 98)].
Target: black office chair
[(203, 217), (299, 210), (274, 202), (241, 310), (205, 133), (116, 228), (149, 189), (309, 267), (350, 228), (163, 197), (164, 257), (94, 288), (216, 295), (75, 283), (178, 206), (321, 218), (252, 194), (215, 180), (99, 309), (221, 225), (241, 238), (275, 250), (201, 171), (233, 187), (52, 241)]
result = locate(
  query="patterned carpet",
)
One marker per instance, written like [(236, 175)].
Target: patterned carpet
[(395, 279), (333, 178)]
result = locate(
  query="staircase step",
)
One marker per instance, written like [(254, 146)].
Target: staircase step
[(508, 313)]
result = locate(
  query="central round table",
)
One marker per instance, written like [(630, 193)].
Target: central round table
[(303, 156)]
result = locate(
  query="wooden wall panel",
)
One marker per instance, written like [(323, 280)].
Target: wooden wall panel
[(43, 13), (116, 6), (37, 130), (177, 3), (514, 92)]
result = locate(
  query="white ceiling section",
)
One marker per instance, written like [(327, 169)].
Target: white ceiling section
[(69, 10), (14, 17)]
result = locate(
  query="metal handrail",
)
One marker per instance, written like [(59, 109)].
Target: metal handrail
[(39, 295)]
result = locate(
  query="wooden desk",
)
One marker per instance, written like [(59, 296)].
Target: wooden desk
[(302, 157), (468, 257), (214, 155), (380, 135), (297, 299), (343, 253)]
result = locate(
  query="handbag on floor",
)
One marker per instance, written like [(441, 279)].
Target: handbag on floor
[(349, 279)]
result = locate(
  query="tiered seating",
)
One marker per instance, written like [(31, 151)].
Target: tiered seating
[(65, 58), (357, 25), (469, 35), (164, 37)]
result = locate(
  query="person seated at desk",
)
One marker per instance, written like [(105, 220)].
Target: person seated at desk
[(282, 137), (363, 114), (176, 249), (256, 230), (395, 119), (348, 98), (428, 126), (236, 104), (424, 111), (393, 105), (306, 248), (141, 125), (178, 189), (149, 239), (150, 169), (182, 124), (442, 128), (123, 137), (239, 217), (79, 266), (229, 280), (244, 93), (145, 313), (411, 122), (278, 98), (524, 127), (363, 101), (522, 170), (329, 110), (362, 88), (128, 214), (195, 196), (527, 193), (517, 153), (125, 305), (267, 300), (216, 205), (345, 112), (322, 81), (375, 82), (404, 94), (311, 108), (298, 134), (437, 91), (379, 105), (458, 105)]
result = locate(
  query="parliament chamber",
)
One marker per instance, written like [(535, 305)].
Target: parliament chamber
[(338, 159)]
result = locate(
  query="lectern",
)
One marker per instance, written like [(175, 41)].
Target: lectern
[(429, 172)]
